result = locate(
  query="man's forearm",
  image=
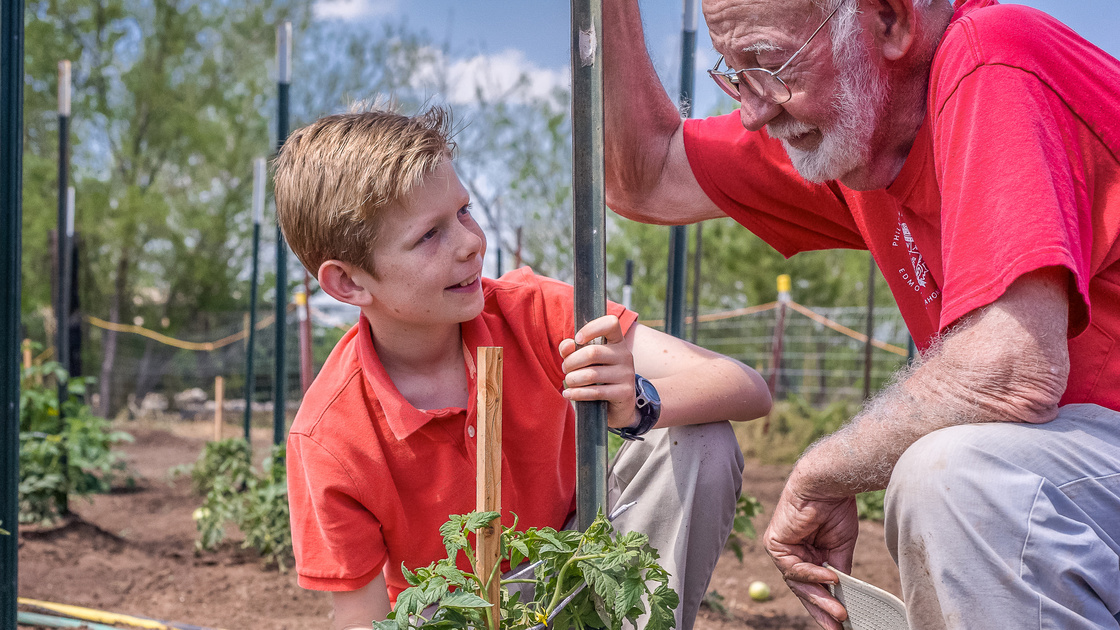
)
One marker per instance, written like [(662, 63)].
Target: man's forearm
[(1007, 363)]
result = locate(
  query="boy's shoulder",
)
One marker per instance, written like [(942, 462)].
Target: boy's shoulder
[(338, 388)]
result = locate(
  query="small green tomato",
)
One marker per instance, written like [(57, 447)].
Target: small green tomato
[(759, 591), (201, 513)]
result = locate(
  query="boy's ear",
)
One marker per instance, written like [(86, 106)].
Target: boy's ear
[(344, 282)]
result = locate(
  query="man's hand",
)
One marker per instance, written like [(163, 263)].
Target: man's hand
[(601, 371), (805, 533)]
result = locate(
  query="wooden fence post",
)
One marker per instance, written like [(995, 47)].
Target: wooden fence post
[(489, 472), (219, 401)]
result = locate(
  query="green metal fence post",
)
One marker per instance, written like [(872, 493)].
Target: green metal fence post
[(259, 175), (588, 222), (678, 234), (11, 223), (280, 399), (62, 282)]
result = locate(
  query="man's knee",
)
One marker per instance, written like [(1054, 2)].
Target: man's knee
[(944, 466), (968, 476)]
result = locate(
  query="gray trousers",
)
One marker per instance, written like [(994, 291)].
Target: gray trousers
[(686, 481), (1011, 525)]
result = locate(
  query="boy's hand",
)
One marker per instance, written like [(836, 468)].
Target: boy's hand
[(601, 371)]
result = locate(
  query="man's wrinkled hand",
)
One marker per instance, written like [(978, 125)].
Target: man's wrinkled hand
[(805, 533)]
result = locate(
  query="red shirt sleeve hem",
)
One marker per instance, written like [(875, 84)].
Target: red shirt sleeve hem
[(337, 584), (957, 307)]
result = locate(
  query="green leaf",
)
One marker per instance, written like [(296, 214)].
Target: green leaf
[(462, 599), (478, 520), (662, 602)]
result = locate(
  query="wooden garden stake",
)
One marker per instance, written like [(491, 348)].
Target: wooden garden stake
[(219, 401), (488, 481)]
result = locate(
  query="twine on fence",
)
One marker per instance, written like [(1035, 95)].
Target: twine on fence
[(840, 328), (204, 346), (820, 319)]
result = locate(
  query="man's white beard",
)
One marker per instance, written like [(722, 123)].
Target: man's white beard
[(862, 97)]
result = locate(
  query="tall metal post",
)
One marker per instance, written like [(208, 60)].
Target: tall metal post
[(303, 307), (11, 222), (62, 282), (73, 360), (696, 259), (588, 222), (258, 214), (279, 402), (870, 326), (784, 285), (628, 285), (678, 234)]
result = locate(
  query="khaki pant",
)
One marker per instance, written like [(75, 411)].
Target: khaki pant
[(686, 481)]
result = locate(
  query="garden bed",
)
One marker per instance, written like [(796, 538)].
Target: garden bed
[(132, 552)]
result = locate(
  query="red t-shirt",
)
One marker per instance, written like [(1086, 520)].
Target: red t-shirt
[(371, 478), (1014, 169)]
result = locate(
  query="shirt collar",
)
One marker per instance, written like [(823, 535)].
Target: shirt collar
[(401, 417)]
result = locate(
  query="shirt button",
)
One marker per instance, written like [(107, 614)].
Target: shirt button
[(470, 431)]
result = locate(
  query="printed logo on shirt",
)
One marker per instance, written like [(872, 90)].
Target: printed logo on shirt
[(917, 275)]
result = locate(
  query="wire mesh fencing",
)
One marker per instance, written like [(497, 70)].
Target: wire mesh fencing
[(147, 372)]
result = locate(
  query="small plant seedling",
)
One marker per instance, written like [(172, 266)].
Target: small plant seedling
[(591, 579)]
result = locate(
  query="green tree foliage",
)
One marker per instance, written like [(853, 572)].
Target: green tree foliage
[(170, 105)]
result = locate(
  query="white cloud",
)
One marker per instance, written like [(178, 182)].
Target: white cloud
[(353, 9), (496, 77)]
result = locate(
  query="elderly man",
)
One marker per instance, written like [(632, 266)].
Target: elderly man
[(972, 148)]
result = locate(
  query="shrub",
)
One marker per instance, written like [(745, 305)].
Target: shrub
[(90, 465), (869, 505), (234, 493), (794, 425)]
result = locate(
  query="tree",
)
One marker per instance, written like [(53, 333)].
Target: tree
[(171, 102)]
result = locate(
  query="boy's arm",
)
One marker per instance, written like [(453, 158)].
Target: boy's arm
[(695, 385), (360, 608)]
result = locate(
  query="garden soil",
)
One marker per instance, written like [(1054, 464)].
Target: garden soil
[(132, 552)]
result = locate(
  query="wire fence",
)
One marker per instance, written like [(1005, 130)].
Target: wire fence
[(822, 357)]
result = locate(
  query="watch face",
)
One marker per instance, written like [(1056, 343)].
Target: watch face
[(649, 392)]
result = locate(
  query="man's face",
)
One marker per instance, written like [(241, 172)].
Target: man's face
[(838, 93)]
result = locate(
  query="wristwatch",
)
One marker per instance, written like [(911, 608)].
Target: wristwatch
[(648, 404)]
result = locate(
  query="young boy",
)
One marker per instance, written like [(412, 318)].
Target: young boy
[(382, 449)]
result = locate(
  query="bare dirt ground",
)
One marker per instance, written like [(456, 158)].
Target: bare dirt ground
[(132, 552)]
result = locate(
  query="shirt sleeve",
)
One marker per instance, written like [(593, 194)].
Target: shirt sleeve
[(337, 542), (749, 176), (1014, 197)]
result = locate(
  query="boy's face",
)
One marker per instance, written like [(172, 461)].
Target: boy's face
[(428, 258)]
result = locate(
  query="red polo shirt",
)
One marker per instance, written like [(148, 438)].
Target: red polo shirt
[(371, 478)]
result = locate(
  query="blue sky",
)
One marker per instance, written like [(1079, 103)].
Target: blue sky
[(533, 34)]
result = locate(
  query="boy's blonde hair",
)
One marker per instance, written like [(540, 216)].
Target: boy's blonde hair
[(336, 175)]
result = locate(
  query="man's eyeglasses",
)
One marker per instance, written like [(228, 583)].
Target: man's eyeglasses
[(765, 84)]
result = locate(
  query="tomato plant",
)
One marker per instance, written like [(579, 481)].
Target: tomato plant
[(591, 579), (90, 465), (257, 503)]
